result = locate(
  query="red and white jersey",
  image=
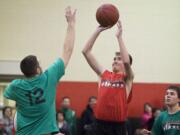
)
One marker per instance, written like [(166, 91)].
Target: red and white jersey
[(112, 99)]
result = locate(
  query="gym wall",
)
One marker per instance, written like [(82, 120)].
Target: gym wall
[(151, 31)]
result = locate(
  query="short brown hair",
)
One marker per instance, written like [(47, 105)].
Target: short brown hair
[(29, 65), (175, 88)]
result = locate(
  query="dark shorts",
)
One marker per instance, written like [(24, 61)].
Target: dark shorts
[(108, 128)]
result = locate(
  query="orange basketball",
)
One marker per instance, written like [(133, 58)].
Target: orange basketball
[(107, 15)]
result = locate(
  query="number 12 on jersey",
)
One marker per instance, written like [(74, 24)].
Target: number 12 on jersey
[(38, 94)]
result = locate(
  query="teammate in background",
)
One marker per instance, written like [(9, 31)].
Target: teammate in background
[(168, 122)]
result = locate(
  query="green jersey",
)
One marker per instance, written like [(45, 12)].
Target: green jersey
[(167, 124), (35, 100)]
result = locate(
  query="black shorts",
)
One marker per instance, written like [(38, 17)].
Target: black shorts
[(109, 128)]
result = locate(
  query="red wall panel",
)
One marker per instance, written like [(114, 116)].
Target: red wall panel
[(79, 92)]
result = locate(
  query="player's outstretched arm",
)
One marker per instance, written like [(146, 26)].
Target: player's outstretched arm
[(70, 36), (88, 48)]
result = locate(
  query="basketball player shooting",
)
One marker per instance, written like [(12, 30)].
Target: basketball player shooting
[(114, 86)]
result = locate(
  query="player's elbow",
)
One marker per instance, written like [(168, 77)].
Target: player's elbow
[(85, 52)]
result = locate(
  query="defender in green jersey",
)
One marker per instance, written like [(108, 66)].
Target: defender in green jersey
[(35, 95)]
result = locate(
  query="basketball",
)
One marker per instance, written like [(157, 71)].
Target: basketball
[(107, 15)]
